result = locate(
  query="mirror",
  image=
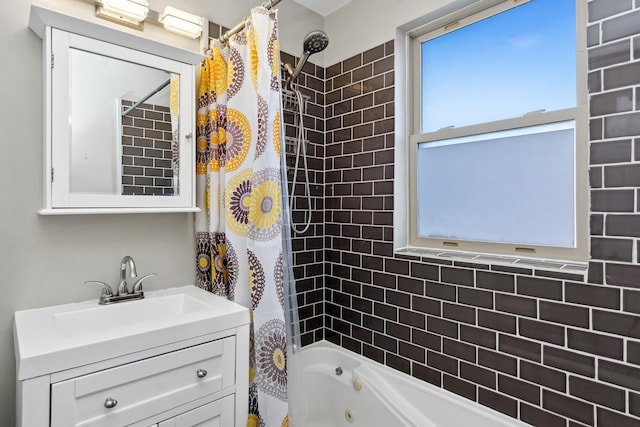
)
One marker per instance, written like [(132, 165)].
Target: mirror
[(124, 133), (119, 119)]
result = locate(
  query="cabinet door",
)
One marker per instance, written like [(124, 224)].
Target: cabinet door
[(136, 391), (108, 149), (215, 414)]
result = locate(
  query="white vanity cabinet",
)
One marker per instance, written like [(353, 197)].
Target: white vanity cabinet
[(189, 370)]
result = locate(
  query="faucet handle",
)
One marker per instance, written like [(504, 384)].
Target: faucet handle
[(106, 289), (137, 286)]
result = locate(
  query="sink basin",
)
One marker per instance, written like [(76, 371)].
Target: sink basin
[(98, 318), (53, 339)]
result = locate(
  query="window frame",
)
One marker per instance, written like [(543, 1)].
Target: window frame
[(468, 15)]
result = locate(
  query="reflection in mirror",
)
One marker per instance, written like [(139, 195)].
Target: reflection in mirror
[(124, 127)]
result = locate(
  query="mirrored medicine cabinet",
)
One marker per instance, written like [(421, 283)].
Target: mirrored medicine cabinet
[(119, 119)]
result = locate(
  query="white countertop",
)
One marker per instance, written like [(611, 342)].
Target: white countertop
[(52, 339)]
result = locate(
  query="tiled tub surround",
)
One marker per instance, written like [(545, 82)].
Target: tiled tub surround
[(146, 150), (549, 348), (308, 247)]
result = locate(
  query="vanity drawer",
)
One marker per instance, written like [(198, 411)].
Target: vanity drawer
[(218, 413), (144, 388)]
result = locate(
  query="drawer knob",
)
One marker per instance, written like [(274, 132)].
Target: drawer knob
[(201, 373), (110, 403)]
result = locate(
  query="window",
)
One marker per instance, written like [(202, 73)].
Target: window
[(497, 155)]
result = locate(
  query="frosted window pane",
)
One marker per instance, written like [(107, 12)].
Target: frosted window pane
[(507, 65), (504, 187)]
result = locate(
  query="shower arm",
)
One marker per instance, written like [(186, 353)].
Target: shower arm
[(226, 36), (293, 73), (289, 69)]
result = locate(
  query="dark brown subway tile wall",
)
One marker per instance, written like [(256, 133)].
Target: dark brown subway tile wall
[(146, 150), (308, 246), (549, 349)]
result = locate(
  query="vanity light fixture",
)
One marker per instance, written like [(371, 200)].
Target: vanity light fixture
[(128, 12), (180, 22)]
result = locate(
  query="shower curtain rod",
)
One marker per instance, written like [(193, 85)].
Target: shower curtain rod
[(144, 98), (226, 36)]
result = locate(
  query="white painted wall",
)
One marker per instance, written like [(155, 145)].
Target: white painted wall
[(45, 260), (363, 24)]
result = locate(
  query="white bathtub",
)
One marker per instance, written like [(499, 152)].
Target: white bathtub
[(318, 397)]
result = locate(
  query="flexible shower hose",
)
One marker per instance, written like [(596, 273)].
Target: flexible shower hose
[(301, 151)]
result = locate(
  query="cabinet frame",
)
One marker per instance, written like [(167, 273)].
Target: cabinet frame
[(58, 83), (42, 21)]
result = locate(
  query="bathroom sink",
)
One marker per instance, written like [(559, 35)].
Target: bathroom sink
[(98, 318), (52, 339)]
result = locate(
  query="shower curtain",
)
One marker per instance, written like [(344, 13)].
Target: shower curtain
[(239, 231), (174, 112)]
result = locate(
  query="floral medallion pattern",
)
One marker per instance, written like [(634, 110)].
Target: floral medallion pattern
[(203, 260), (278, 275), (219, 73), (273, 52), (263, 112), (265, 209), (236, 73), (237, 139), (232, 271), (218, 144), (220, 264), (271, 358), (203, 152), (256, 279), (211, 270), (236, 200)]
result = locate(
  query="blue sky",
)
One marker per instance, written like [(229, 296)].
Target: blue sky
[(518, 61)]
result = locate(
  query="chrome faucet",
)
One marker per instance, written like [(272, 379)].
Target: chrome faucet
[(127, 261), (108, 297)]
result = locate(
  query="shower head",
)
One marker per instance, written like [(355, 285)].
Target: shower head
[(314, 42)]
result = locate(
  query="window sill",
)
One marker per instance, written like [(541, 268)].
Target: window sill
[(576, 270)]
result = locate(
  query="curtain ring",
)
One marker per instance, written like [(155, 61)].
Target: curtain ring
[(248, 23), (208, 51)]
